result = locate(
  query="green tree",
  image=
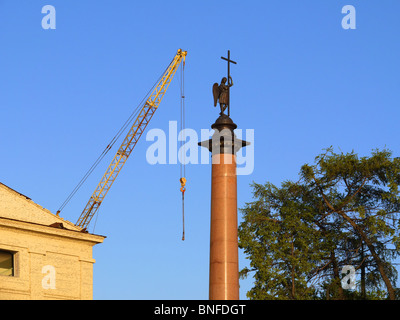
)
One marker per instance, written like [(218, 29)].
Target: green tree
[(278, 241), (343, 210)]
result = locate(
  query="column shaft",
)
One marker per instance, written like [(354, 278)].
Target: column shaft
[(224, 266)]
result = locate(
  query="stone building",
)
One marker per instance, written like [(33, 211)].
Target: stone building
[(42, 256)]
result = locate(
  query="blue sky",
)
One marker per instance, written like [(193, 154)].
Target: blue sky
[(302, 82)]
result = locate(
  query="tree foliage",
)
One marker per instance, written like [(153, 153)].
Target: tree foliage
[(344, 210)]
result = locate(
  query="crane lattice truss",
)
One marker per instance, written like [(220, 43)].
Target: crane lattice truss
[(133, 136)]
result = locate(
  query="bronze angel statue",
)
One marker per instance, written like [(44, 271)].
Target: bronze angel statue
[(221, 93)]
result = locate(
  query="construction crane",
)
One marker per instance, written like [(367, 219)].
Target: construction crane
[(134, 134)]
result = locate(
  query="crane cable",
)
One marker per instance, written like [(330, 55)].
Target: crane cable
[(182, 180)]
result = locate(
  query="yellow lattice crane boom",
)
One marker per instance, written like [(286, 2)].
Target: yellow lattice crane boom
[(135, 132)]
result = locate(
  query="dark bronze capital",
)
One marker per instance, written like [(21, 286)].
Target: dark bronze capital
[(224, 140)]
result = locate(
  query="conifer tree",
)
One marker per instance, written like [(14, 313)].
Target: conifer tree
[(344, 210)]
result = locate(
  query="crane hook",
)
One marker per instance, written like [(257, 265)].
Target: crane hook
[(183, 183), (183, 189)]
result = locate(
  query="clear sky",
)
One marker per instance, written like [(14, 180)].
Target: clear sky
[(302, 82)]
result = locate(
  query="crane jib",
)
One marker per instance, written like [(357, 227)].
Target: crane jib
[(131, 139)]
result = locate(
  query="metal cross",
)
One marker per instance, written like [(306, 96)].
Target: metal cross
[(229, 74), (229, 61)]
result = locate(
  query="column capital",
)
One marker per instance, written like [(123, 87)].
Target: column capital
[(224, 140)]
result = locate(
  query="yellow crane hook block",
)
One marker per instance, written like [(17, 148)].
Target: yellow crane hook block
[(183, 189), (183, 183)]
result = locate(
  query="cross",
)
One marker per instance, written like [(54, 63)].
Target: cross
[(229, 61), (229, 73)]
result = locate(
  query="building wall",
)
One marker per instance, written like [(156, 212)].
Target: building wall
[(49, 262)]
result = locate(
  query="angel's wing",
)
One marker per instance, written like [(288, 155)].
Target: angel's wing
[(216, 92)]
